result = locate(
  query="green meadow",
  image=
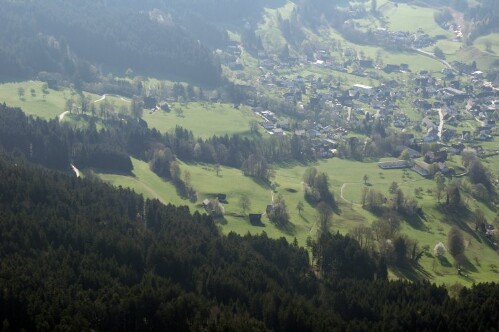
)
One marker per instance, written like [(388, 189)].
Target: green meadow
[(51, 104), (488, 43), (47, 106), (346, 177), (204, 119), (346, 182), (407, 17)]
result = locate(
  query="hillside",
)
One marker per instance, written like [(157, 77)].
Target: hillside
[(78, 254), (308, 87), (80, 40)]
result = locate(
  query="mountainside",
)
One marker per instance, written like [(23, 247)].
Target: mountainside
[(78, 39), (78, 254)]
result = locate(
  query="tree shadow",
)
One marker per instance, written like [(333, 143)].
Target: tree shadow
[(262, 182), (412, 272), (464, 262), (288, 228), (220, 221), (305, 219), (416, 222), (467, 278), (444, 261), (458, 217), (112, 172)]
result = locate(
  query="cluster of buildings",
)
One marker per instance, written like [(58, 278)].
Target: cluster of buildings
[(461, 107)]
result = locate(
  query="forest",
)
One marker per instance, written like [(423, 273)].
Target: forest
[(81, 39), (79, 254), (56, 145)]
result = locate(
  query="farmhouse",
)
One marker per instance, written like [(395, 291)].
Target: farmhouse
[(222, 198), (421, 168), (255, 219), (361, 88), (397, 164)]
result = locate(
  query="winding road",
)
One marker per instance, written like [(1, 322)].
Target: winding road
[(343, 188), (76, 170), (433, 56), (62, 115), (104, 96)]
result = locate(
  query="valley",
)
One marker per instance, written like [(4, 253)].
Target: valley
[(351, 104)]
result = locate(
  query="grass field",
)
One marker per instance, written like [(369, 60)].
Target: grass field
[(145, 182), (345, 177), (50, 105), (269, 30), (415, 61), (205, 120), (406, 17), (47, 106), (492, 40)]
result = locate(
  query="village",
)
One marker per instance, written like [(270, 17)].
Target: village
[(453, 109)]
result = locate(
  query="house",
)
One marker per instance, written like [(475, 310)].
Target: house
[(366, 63), (404, 67), (222, 198), (428, 123), (466, 135), (284, 124), (277, 131), (431, 135), (268, 125), (443, 168), (412, 153), (361, 88), (165, 106), (421, 168), (398, 164), (435, 157), (255, 219), (150, 102), (389, 68)]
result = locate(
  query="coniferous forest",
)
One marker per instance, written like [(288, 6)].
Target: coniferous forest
[(78, 254), (77, 39)]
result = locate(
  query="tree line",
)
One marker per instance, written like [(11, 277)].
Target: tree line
[(56, 145)]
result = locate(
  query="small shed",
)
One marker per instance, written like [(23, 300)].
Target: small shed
[(255, 219), (222, 197)]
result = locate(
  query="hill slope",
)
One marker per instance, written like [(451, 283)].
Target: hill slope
[(77, 254)]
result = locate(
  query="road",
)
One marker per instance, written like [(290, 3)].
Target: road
[(441, 124), (343, 188), (104, 96), (76, 170), (433, 56), (62, 115)]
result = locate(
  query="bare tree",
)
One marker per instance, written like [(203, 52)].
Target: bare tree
[(218, 169), (300, 207), (244, 203)]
